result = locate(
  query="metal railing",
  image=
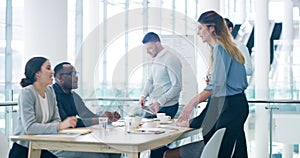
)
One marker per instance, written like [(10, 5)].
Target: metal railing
[(8, 103)]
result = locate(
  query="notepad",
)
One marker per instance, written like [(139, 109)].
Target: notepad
[(81, 131)]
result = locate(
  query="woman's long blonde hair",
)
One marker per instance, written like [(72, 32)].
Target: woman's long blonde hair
[(222, 34)]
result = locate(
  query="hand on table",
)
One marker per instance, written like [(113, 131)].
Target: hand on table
[(183, 123), (68, 122), (185, 113), (112, 116), (188, 108)]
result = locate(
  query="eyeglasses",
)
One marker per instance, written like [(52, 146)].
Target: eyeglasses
[(72, 73)]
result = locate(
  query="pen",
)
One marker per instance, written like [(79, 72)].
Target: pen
[(84, 133)]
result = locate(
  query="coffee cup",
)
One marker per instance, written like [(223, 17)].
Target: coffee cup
[(160, 115), (165, 119), (132, 123)]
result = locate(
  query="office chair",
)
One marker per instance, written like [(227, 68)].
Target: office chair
[(4, 149), (211, 149)]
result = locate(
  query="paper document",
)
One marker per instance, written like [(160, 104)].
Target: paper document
[(147, 109), (81, 131)]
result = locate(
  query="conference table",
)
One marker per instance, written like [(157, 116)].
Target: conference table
[(112, 140)]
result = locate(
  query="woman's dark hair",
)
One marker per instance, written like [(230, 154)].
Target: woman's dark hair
[(32, 66)]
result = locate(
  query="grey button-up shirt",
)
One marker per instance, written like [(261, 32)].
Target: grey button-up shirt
[(164, 81)]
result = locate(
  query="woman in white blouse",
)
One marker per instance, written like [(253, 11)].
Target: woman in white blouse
[(38, 112)]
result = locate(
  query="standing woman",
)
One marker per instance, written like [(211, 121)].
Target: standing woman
[(228, 106), (38, 113)]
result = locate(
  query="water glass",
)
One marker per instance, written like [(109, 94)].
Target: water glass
[(128, 124), (103, 123)]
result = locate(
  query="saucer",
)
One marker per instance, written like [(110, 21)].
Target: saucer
[(166, 122), (152, 124)]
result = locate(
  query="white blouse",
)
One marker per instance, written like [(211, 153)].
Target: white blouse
[(45, 108)]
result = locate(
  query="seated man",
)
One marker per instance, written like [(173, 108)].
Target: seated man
[(69, 102)]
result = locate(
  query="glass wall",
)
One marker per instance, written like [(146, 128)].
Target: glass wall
[(2, 47), (11, 53), (120, 70), (121, 46)]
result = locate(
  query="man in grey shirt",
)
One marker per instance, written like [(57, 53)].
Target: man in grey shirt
[(163, 84), (164, 81)]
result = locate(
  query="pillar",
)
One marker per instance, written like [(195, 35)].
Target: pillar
[(90, 49), (262, 56), (287, 36), (287, 25), (205, 5), (45, 29), (240, 11), (287, 151)]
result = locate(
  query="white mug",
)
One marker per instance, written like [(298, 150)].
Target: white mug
[(160, 115), (165, 118)]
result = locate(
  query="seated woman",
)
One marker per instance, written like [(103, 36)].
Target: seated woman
[(37, 107), (38, 113)]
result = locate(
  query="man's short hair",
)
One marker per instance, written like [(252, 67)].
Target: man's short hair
[(151, 37), (228, 23), (59, 67)]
